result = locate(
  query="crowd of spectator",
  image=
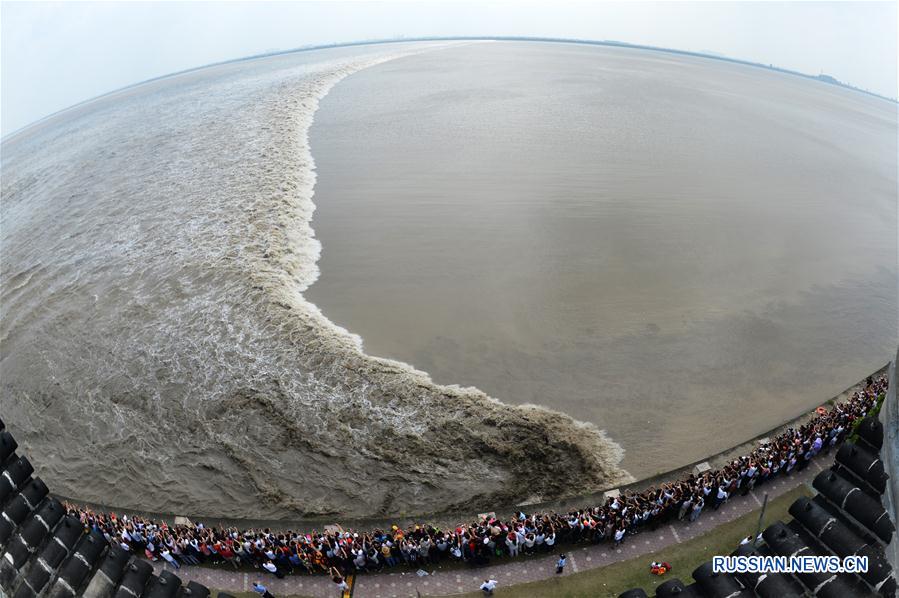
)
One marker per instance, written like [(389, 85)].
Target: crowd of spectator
[(338, 552)]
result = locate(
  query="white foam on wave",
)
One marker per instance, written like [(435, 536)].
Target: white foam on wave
[(158, 350)]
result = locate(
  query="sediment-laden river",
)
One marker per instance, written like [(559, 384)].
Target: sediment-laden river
[(679, 251)]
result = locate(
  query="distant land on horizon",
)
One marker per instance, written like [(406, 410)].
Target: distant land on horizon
[(709, 54)]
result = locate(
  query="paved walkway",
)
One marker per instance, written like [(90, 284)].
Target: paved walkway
[(402, 583)]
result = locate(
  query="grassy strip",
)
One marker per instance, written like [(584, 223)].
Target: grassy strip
[(611, 580)]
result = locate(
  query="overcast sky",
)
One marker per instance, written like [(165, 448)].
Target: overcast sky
[(57, 54)]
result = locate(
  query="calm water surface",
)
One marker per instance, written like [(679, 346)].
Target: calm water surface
[(685, 252)]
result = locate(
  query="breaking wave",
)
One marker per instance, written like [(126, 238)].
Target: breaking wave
[(158, 353)]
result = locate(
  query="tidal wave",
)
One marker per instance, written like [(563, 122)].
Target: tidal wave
[(158, 352)]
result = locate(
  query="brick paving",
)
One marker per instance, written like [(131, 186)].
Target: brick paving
[(442, 581)]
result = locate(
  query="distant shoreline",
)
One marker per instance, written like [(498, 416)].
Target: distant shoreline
[(826, 79)]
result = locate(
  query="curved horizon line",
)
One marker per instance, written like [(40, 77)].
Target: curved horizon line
[(607, 43)]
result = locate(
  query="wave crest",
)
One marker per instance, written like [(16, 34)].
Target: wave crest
[(159, 352)]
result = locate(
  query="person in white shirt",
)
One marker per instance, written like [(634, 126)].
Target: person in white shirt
[(488, 586), (560, 565), (551, 540), (685, 508), (721, 497), (338, 579), (512, 543), (170, 559), (697, 508), (529, 541), (359, 561)]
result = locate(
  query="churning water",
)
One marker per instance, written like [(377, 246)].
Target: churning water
[(157, 349), (647, 243)]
